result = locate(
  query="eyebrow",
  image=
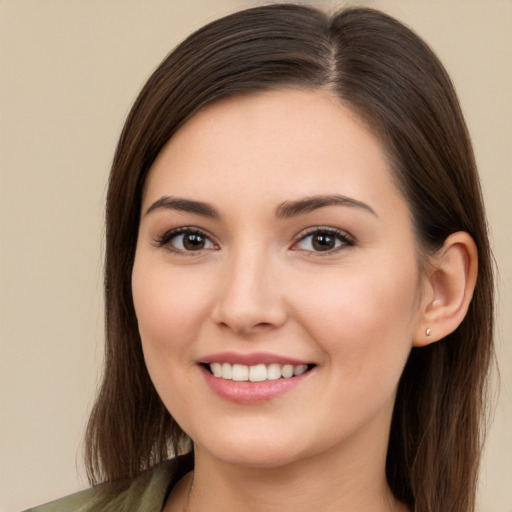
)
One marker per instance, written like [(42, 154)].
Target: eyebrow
[(184, 205), (285, 210), (308, 204)]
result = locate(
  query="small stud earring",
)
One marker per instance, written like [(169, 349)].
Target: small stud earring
[(428, 331)]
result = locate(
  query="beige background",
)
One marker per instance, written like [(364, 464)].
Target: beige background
[(69, 71)]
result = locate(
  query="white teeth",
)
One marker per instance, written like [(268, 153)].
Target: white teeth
[(299, 370), (274, 371), (240, 372), (216, 369), (256, 373), (287, 371), (227, 371)]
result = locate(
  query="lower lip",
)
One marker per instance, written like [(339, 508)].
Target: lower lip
[(251, 392)]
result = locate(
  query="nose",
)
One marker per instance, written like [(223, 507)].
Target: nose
[(250, 298)]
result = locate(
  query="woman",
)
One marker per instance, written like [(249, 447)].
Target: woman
[(298, 277)]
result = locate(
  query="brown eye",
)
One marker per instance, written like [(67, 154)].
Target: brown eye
[(186, 240), (323, 240), (193, 241)]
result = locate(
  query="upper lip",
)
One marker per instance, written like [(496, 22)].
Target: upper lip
[(250, 359)]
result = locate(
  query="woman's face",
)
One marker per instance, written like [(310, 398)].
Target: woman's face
[(273, 241)]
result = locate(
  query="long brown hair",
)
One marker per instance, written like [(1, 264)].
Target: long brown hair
[(390, 77)]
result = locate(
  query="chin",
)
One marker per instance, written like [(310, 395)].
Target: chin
[(258, 458), (257, 450)]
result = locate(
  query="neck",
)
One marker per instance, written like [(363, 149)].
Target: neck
[(341, 480), (348, 476)]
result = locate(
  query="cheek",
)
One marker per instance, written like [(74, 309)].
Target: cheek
[(170, 307), (364, 319)]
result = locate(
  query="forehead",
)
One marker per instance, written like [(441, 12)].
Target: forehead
[(276, 143)]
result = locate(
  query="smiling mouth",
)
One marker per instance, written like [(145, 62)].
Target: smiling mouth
[(256, 373)]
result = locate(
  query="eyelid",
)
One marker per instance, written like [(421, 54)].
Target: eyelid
[(163, 240), (347, 239)]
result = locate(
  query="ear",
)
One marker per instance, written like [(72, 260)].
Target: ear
[(447, 289)]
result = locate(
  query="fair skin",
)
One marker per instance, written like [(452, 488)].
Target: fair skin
[(237, 264)]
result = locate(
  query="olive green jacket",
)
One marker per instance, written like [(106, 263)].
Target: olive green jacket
[(147, 493)]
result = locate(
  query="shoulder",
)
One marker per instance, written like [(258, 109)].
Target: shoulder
[(147, 493)]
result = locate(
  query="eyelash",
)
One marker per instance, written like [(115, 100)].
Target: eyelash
[(341, 236), (165, 239)]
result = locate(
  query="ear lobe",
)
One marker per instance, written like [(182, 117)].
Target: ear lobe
[(450, 283)]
